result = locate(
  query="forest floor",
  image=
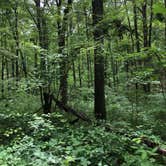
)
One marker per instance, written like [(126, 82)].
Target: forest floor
[(28, 137)]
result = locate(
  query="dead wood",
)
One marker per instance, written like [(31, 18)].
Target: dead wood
[(68, 109)]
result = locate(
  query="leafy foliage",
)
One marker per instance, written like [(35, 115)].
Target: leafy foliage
[(43, 42)]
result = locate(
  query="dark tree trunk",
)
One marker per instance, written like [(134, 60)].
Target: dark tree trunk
[(136, 26), (145, 26), (97, 9), (7, 75), (2, 69), (74, 72), (13, 68), (151, 21), (79, 72), (146, 86), (2, 75), (24, 65), (16, 38)]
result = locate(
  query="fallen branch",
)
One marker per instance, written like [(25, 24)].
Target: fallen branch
[(152, 144), (144, 140), (68, 109)]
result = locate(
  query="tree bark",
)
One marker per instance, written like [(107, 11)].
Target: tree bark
[(44, 44), (62, 28), (2, 75), (130, 29), (144, 21), (74, 73), (136, 26), (16, 38), (79, 72), (151, 21), (146, 86), (87, 51), (99, 104)]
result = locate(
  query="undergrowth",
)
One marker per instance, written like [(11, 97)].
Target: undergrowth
[(29, 138)]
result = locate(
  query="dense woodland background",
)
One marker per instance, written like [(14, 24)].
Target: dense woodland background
[(83, 82)]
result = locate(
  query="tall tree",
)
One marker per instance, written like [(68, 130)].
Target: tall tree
[(146, 86), (44, 44), (62, 28), (136, 26), (144, 21), (98, 33), (150, 24)]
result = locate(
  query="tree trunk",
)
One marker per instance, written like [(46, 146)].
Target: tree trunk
[(151, 21), (16, 38), (7, 75), (44, 44), (136, 26), (62, 28), (79, 72), (146, 86), (2, 75), (145, 26), (97, 10), (74, 72), (130, 29), (87, 51)]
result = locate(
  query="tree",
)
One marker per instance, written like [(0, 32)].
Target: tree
[(62, 28), (98, 34), (136, 26), (44, 44)]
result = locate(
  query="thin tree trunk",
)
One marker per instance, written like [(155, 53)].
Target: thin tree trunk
[(87, 51), (88, 68), (112, 67), (2, 75), (7, 75), (74, 72), (16, 38), (146, 86), (13, 68), (130, 29), (151, 21), (136, 26), (2, 69), (24, 65), (79, 72), (145, 26)]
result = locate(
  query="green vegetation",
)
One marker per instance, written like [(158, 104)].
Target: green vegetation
[(83, 83)]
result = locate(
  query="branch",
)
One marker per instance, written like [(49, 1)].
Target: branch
[(33, 18), (152, 144), (68, 109), (144, 140)]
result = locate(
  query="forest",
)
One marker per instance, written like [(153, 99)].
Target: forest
[(83, 82)]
